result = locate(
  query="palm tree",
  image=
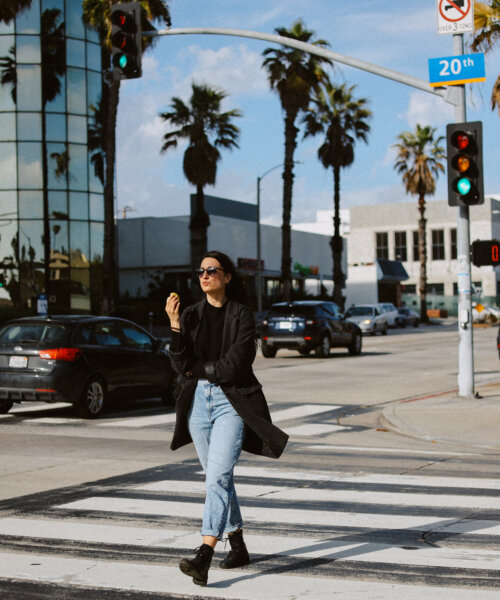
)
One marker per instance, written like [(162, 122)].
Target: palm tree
[(9, 9), (487, 33), (294, 75), (417, 161), (206, 129), (342, 118), (97, 14)]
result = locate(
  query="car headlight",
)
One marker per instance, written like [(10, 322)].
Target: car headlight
[(366, 322)]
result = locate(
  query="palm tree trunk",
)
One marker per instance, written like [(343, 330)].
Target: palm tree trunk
[(200, 222), (422, 251), (111, 93), (336, 242), (286, 240)]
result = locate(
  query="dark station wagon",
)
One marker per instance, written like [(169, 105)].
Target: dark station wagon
[(84, 360), (308, 325)]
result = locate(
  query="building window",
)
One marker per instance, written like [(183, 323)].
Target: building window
[(435, 289), (409, 288), (416, 254), (437, 244), (400, 246), (453, 244), (382, 241)]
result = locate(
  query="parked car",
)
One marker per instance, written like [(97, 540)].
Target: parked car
[(407, 316), (308, 325), (391, 313), (369, 318), (84, 360)]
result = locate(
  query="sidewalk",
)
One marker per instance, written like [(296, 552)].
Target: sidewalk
[(444, 417)]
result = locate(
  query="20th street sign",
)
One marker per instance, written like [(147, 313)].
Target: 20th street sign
[(455, 70)]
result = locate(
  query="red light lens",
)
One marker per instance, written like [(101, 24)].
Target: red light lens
[(463, 141), (66, 354)]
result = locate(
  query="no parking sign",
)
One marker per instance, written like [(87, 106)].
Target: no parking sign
[(455, 16)]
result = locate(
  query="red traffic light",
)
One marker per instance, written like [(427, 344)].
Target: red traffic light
[(463, 140)]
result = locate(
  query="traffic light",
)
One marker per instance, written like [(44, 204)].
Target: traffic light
[(465, 163), (126, 40), (486, 252)]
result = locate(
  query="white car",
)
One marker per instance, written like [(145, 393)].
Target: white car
[(391, 313), (368, 317)]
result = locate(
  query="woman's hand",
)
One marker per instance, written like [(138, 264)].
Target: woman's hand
[(172, 309)]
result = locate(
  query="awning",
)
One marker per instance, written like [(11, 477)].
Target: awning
[(390, 271)]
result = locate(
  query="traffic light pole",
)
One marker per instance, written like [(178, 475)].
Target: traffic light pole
[(465, 338)]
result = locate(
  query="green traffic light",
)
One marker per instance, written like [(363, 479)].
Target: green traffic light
[(122, 61), (463, 186)]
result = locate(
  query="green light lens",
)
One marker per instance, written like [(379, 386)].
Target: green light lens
[(122, 61), (463, 186)]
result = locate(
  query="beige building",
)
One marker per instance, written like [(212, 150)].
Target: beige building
[(390, 232)]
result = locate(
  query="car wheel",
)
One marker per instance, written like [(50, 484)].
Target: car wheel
[(5, 406), (91, 404), (384, 330), (356, 344), (268, 351), (304, 351), (323, 349)]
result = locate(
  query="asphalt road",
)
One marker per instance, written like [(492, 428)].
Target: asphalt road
[(103, 509)]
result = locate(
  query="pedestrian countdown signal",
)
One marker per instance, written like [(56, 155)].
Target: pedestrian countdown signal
[(486, 253)]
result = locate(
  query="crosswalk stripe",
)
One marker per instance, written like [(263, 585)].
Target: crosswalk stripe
[(298, 547), (140, 421), (377, 478), (301, 411), (378, 450), (308, 429), (330, 518), (234, 583), (312, 494)]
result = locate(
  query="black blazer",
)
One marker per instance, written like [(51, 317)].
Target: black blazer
[(233, 373)]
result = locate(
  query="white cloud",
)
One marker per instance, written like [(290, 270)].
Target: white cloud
[(425, 109)]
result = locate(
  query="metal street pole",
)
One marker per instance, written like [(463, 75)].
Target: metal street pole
[(465, 337), (259, 250)]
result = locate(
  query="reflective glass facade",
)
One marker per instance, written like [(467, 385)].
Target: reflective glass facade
[(50, 69)]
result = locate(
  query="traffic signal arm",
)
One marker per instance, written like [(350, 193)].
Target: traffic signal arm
[(465, 163)]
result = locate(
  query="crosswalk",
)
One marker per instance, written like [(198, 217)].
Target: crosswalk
[(313, 534)]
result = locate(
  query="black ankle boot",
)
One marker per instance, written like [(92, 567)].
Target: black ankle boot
[(238, 555), (197, 568)]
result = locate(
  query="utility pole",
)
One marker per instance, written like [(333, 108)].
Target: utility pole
[(465, 338)]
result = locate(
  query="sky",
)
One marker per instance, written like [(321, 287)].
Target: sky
[(398, 35)]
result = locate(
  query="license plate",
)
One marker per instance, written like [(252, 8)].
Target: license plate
[(18, 362), (284, 325)]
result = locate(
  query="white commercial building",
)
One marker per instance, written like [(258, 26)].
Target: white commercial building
[(389, 232)]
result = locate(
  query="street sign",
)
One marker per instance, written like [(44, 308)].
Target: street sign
[(42, 305), (455, 70), (455, 16)]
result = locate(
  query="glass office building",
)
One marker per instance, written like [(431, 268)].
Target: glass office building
[(50, 159)]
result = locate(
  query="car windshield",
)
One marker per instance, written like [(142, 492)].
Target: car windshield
[(359, 311), (291, 311), (31, 332)]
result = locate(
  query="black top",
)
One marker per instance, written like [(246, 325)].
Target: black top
[(208, 344)]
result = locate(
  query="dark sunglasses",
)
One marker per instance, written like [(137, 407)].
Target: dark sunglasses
[(211, 271)]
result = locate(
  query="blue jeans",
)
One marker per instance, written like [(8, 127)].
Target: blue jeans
[(217, 432)]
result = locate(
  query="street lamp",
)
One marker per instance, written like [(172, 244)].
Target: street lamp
[(259, 275)]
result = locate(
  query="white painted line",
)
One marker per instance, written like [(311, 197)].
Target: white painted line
[(194, 510), (301, 411), (310, 547), (309, 429), (379, 450), (53, 420), (35, 406), (229, 584), (426, 481), (139, 421), (312, 494)]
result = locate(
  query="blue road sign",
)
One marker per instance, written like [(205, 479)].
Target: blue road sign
[(454, 70)]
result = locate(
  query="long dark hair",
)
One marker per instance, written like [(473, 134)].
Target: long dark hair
[(235, 289)]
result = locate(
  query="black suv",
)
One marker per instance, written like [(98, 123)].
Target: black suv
[(308, 325)]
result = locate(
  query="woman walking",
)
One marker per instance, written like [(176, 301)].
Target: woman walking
[(221, 407)]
